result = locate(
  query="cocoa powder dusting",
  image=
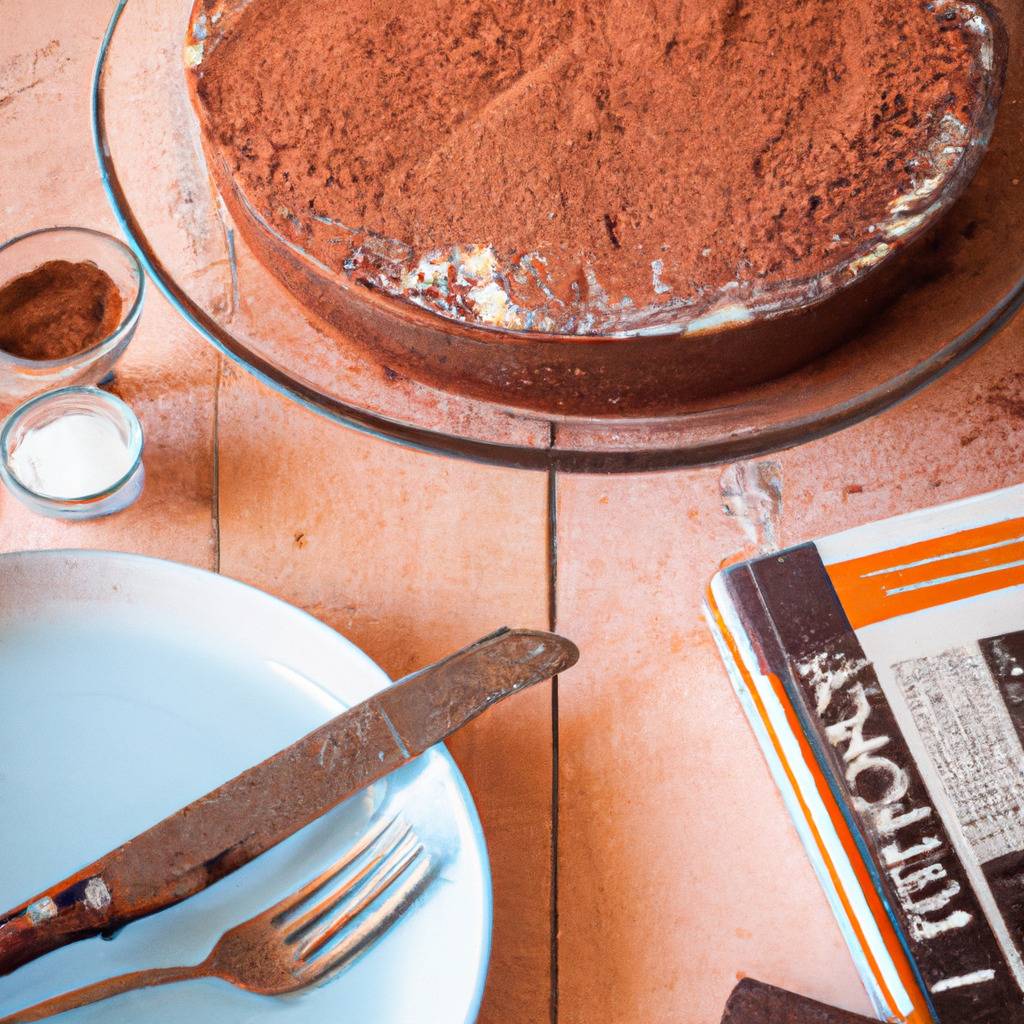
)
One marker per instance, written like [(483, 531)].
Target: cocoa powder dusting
[(580, 163), (58, 309)]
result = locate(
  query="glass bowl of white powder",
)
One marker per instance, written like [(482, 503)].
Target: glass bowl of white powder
[(75, 453)]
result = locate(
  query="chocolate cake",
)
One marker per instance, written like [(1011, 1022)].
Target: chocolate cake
[(569, 171)]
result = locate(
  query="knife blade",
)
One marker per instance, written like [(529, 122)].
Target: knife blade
[(218, 833)]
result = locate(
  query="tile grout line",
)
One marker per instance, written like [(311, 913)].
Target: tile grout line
[(215, 494), (552, 501), (229, 241)]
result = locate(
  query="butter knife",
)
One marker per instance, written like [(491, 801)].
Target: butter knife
[(218, 833)]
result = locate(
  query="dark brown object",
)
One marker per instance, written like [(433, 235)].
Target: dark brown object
[(753, 1002), (228, 827), (57, 310), (800, 293)]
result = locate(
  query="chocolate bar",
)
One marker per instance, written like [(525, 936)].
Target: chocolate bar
[(753, 1002)]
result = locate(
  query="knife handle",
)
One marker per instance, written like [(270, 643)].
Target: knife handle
[(74, 909)]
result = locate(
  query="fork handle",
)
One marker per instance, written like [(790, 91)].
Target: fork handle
[(101, 990)]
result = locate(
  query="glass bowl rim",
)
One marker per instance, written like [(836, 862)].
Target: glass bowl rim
[(126, 322), (136, 438)]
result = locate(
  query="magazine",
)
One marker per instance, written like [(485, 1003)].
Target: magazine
[(883, 672)]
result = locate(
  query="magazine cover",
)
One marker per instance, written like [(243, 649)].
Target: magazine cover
[(883, 671)]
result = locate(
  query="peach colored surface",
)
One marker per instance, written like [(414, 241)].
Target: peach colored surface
[(672, 863)]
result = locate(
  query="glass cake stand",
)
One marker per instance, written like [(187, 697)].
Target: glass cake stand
[(969, 282)]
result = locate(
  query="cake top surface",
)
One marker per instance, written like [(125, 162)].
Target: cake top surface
[(593, 166)]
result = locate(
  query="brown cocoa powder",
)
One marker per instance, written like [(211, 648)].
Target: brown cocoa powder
[(57, 310), (615, 155)]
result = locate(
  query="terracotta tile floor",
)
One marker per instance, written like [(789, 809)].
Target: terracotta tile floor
[(661, 866)]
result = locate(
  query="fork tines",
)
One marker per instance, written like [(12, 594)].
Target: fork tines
[(341, 911)]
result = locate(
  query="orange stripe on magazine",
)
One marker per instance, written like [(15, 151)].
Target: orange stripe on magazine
[(929, 573), (920, 1014)]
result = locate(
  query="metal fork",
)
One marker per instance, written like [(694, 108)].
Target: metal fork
[(303, 939)]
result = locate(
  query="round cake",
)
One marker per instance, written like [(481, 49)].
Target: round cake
[(568, 170)]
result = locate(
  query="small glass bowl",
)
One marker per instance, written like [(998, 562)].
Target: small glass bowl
[(21, 378), (43, 409)]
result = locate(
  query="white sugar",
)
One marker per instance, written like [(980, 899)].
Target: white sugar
[(75, 456)]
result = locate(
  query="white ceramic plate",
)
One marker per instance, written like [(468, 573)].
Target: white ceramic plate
[(131, 686)]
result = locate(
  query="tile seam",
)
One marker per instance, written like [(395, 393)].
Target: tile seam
[(215, 494), (552, 553)]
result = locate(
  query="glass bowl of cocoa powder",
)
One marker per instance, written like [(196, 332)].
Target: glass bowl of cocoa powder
[(70, 300)]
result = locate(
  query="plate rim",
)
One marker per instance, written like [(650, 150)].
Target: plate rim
[(440, 751)]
